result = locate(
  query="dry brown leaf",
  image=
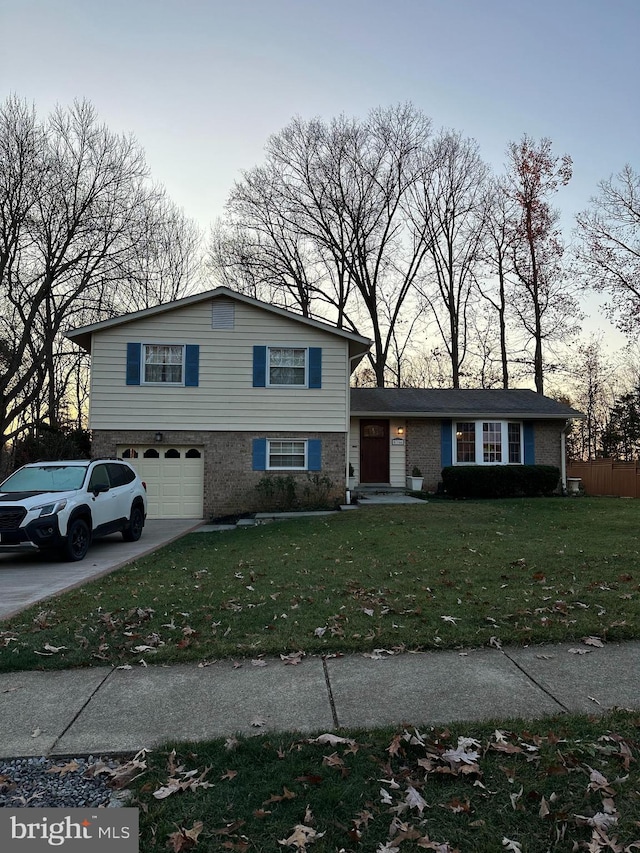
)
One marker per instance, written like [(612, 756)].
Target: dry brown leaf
[(230, 774), (261, 813), (333, 760), (64, 769), (292, 659), (593, 641), (332, 740), (300, 837), (185, 839), (278, 798)]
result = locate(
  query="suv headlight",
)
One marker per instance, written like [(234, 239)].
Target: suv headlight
[(49, 509)]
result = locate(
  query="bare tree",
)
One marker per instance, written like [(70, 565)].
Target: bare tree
[(543, 300), (324, 222), (75, 200), (592, 382), (448, 206), (495, 281), (164, 263), (609, 252)]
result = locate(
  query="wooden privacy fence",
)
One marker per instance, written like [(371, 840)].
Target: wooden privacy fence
[(607, 477)]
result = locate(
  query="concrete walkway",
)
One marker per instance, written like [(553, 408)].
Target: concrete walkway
[(99, 710), (28, 578)]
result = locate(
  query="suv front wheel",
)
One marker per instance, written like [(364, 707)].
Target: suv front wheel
[(78, 540)]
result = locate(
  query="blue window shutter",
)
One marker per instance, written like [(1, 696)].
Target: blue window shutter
[(446, 444), (315, 367), (314, 454), (259, 367), (259, 454), (529, 444), (133, 363), (191, 365)]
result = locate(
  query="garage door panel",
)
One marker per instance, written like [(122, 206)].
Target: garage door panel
[(175, 483)]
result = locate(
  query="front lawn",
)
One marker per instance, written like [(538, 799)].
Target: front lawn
[(563, 784), (439, 575)]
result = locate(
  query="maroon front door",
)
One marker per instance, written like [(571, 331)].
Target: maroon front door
[(374, 451)]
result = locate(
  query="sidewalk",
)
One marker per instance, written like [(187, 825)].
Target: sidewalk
[(99, 710)]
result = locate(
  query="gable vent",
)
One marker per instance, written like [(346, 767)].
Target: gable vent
[(223, 314)]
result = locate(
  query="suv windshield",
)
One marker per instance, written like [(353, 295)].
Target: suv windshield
[(45, 478)]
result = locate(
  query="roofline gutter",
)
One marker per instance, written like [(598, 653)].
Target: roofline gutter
[(538, 416)]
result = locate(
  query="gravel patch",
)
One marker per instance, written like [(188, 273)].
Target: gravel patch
[(72, 783)]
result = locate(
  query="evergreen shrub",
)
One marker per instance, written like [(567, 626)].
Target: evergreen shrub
[(499, 481)]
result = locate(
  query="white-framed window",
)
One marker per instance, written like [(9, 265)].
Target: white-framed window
[(487, 443), (287, 366), (163, 363), (286, 454)]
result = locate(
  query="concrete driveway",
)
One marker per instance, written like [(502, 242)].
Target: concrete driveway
[(27, 578)]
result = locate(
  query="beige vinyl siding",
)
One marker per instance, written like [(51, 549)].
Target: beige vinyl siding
[(354, 447), (397, 455), (225, 398)]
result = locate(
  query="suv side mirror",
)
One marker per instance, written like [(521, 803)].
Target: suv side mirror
[(100, 489)]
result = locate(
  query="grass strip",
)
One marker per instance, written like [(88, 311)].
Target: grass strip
[(563, 784)]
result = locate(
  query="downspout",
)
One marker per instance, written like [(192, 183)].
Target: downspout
[(563, 456), (348, 433)]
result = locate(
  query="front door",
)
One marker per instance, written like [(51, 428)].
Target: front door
[(374, 451)]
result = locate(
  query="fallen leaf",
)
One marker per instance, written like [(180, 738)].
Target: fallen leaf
[(230, 774), (414, 799), (300, 837), (588, 641), (332, 740), (513, 846), (517, 795), (36, 732), (258, 662), (278, 798), (185, 839), (333, 760), (64, 769), (292, 659)]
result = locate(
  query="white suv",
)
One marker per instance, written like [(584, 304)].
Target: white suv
[(63, 505)]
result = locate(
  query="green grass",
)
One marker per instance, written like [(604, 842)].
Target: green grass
[(518, 571), (532, 783)]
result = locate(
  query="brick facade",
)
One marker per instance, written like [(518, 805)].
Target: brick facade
[(229, 480), (423, 447), (548, 442), (423, 450)]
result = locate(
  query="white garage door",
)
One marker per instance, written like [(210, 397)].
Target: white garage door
[(174, 478)]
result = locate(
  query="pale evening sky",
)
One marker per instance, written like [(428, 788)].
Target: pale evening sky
[(202, 83)]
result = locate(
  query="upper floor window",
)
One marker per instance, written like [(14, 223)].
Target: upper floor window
[(488, 443), (163, 363), (287, 366)]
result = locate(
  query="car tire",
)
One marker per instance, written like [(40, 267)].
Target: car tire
[(133, 530), (77, 542)]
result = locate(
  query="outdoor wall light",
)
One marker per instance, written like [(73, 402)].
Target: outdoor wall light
[(400, 430), (157, 436)]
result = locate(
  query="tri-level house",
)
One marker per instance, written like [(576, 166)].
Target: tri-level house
[(208, 394)]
